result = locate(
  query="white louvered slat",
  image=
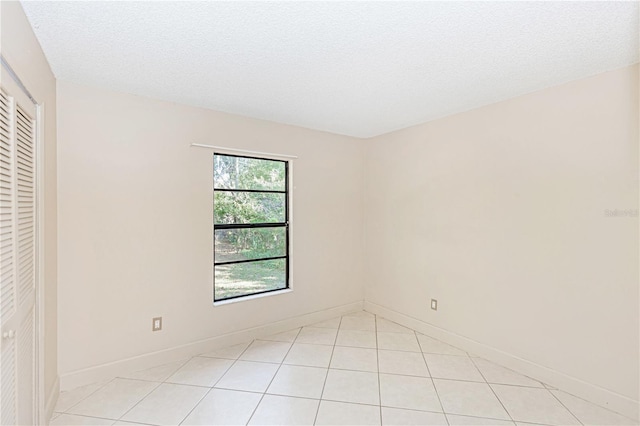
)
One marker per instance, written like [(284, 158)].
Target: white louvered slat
[(25, 142), (7, 231)]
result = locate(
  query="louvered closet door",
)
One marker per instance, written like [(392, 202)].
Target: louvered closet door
[(17, 255)]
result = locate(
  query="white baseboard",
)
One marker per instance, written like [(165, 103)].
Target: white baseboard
[(596, 394), (109, 370), (52, 399)]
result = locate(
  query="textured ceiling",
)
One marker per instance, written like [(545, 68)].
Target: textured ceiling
[(354, 68)]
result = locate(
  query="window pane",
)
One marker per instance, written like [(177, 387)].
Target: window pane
[(248, 207), (240, 279), (244, 244), (233, 172)]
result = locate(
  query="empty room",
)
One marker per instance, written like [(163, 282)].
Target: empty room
[(319, 213)]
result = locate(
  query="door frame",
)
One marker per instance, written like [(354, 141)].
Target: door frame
[(40, 414)]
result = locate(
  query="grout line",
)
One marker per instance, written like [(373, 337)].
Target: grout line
[(511, 371), (315, 419), (490, 383), (196, 404), (544, 385), (307, 398), (85, 416), (351, 369), (247, 360), (536, 424), (167, 382), (514, 420), (216, 382), (375, 319), (401, 350), (431, 378), (356, 371), (238, 390), (183, 362), (490, 418), (99, 388), (140, 400), (492, 391), (274, 376), (566, 408), (122, 378), (550, 389), (464, 354), (333, 346)]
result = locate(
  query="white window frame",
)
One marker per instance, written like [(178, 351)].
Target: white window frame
[(291, 187)]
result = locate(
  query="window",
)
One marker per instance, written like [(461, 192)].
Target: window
[(251, 226)]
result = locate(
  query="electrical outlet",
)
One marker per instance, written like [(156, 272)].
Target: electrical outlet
[(156, 324), (434, 304)]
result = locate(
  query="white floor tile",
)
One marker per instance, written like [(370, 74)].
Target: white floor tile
[(398, 342), (590, 414), (224, 407), (469, 398), (360, 359), (533, 405), (168, 404), (455, 420), (333, 323), (358, 323), (452, 367), (286, 336), (265, 351), (338, 361), (248, 376), (200, 371), (387, 326), (229, 352), (318, 336), (295, 380), (494, 373), (156, 374), (284, 410), (341, 413), (434, 346), (399, 416), (309, 355), (415, 393), (70, 419), (352, 386), (114, 399), (399, 362), (70, 398), (356, 338)]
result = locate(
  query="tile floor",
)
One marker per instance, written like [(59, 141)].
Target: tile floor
[(357, 369)]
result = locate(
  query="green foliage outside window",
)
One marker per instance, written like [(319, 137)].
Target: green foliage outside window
[(233, 173)]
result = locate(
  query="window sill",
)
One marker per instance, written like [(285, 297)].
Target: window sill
[(252, 296)]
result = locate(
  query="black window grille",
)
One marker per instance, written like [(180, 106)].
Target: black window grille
[(251, 226)]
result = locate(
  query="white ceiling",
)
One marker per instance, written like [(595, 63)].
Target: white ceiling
[(354, 68)]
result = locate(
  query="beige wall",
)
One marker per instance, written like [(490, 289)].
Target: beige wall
[(135, 205), (22, 51), (499, 213)]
